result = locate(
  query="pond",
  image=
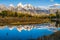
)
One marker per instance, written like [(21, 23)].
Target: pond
[(25, 32)]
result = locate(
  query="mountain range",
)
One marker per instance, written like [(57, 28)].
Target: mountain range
[(29, 7)]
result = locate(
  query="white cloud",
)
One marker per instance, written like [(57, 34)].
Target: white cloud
[(51, 0), (56, 4)]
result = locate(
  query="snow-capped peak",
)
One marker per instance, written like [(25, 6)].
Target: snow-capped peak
[(11, 5), (20, 5), (28, 6)]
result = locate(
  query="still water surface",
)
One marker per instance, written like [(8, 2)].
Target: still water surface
[(15, 34)]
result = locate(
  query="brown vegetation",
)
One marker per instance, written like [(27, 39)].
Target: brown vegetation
[(16, 18)]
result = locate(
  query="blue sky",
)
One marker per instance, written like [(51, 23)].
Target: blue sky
[(33, 2)]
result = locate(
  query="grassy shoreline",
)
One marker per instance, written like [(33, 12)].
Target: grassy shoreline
[(22, 21)]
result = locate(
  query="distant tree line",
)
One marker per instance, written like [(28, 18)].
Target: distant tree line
[(13, 14), (8, 13)]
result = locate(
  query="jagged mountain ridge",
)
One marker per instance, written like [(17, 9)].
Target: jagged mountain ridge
[(26, 7)]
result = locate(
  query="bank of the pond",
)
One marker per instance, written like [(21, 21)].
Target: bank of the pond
[(22, 21), (54, 36)]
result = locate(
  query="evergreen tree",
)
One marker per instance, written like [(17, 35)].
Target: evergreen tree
[(4, 13), (16, 14)]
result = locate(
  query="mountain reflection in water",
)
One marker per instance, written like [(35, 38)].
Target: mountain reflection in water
[(24, 32)]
